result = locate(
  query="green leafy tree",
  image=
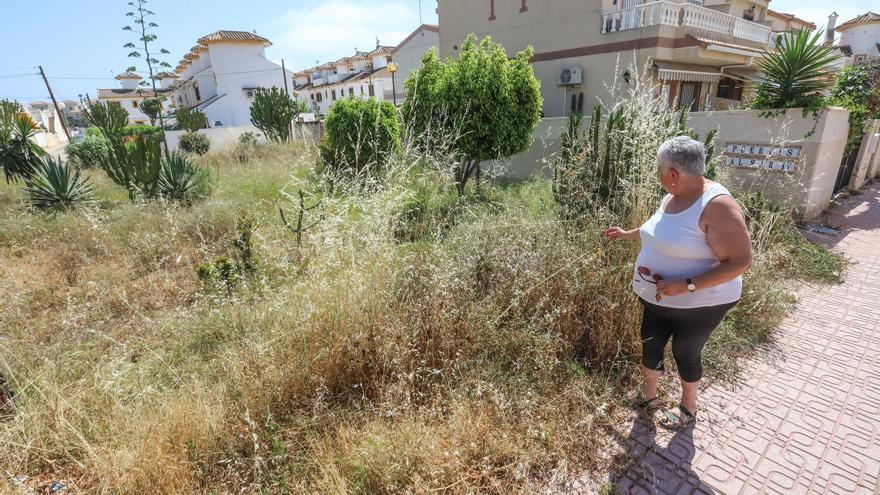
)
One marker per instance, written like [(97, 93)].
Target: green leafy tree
[(489, 102), (152, 107), (144, 50), (273, 112), (19, 154), (360, 134), (191, 120), (857, 89), (796, 73)]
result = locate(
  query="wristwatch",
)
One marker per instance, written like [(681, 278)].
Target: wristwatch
[(691, 286)]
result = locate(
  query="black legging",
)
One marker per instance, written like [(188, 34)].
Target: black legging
[(689, 329)]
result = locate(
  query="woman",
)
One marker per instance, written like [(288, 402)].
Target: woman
[(689, 272)]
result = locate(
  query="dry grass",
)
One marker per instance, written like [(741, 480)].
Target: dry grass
[(490, 355)]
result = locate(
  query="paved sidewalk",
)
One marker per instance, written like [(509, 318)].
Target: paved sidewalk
[(806, 417)]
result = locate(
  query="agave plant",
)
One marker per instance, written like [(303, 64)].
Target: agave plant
[(180, 180), (19, 154), (796, 73), (56, 186)]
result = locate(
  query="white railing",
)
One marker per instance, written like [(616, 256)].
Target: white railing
[(627, 4), (639, 16), (635, 15)]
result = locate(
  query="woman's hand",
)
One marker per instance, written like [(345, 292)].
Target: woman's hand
[(617, 233), (672, 287)]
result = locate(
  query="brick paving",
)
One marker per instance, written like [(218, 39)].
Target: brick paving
[(806, 416)]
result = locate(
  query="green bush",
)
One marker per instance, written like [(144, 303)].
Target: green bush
[(55, 186), (193, 142), (141, 130), (191, 120), (19, 154), (248, 139), (89, 152), (181, 180), (360, 134), (856, 89), (484, 102)]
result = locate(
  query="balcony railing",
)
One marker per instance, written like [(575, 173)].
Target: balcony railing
[(689, 15)]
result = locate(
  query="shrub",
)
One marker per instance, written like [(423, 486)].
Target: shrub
[(19, 154), (490, 103), (193, 142), (360, 134), (796, 73), (856, 89), (141, 130), (89, 152), (191, 120), (273, 112), (55, 186), (248, 139), (152, 107), (180, 180)]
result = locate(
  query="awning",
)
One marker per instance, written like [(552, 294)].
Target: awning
[(670, 71)]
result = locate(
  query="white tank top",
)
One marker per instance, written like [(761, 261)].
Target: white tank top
[(674, 246)]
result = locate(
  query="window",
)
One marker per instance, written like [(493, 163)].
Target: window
[(134, 104), (334, 95), (749, 14), (372, 90), (318, 97), (730, 89), (362, 90), (198, 94), (350, 91), (862, 57)]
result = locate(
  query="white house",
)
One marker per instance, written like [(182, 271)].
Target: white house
[(52, 133), (366, 74), (860, 38), (219, 75), (130, 96)]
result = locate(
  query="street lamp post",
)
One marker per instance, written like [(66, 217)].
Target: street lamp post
[(392, 68)]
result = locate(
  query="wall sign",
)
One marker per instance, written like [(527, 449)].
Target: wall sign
[(762, 156)]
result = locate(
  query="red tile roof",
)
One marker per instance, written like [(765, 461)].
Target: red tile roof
[(224, 35), (865, 18), (127, 93), (129, 75)]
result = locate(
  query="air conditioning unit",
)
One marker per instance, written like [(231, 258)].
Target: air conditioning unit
[(570, 76), (250, 93)]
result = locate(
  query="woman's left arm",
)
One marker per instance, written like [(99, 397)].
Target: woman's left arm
[(728, 237)]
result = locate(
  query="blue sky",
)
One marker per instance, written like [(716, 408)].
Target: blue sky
[(79, 42)]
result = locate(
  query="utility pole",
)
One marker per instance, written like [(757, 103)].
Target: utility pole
[(55, 103), (287, 92)]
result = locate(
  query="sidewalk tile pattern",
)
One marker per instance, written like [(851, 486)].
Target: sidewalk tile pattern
[(805, 421)]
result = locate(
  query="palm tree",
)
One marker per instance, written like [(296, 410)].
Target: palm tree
[(796, 73)]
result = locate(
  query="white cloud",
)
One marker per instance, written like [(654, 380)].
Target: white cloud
[(331, 30)]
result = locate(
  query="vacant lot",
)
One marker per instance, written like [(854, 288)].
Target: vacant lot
[(407, 343)]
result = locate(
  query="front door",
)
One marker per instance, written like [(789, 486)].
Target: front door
[(689, 97)]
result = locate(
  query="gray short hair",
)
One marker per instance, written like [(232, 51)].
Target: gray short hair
[(689, 155)]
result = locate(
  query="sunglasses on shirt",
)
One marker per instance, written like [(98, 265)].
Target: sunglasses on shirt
[(651, 278)]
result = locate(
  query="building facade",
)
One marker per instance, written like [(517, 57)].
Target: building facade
[(781, 22), (220, 74), (860, 38), (699, 52), (131, 95), (366, 74)]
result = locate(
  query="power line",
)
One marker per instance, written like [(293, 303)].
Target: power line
[(12, 76)]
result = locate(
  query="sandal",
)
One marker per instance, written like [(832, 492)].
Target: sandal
[(639, 403), (672, 421)]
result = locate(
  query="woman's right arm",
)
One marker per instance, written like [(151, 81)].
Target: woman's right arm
[(617, 233)]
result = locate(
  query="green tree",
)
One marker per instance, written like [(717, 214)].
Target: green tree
[(152, 107), (796, 73), (489, 102), (360, 134), (856, 89), (191, 120), (273, 112), (144, 28)]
